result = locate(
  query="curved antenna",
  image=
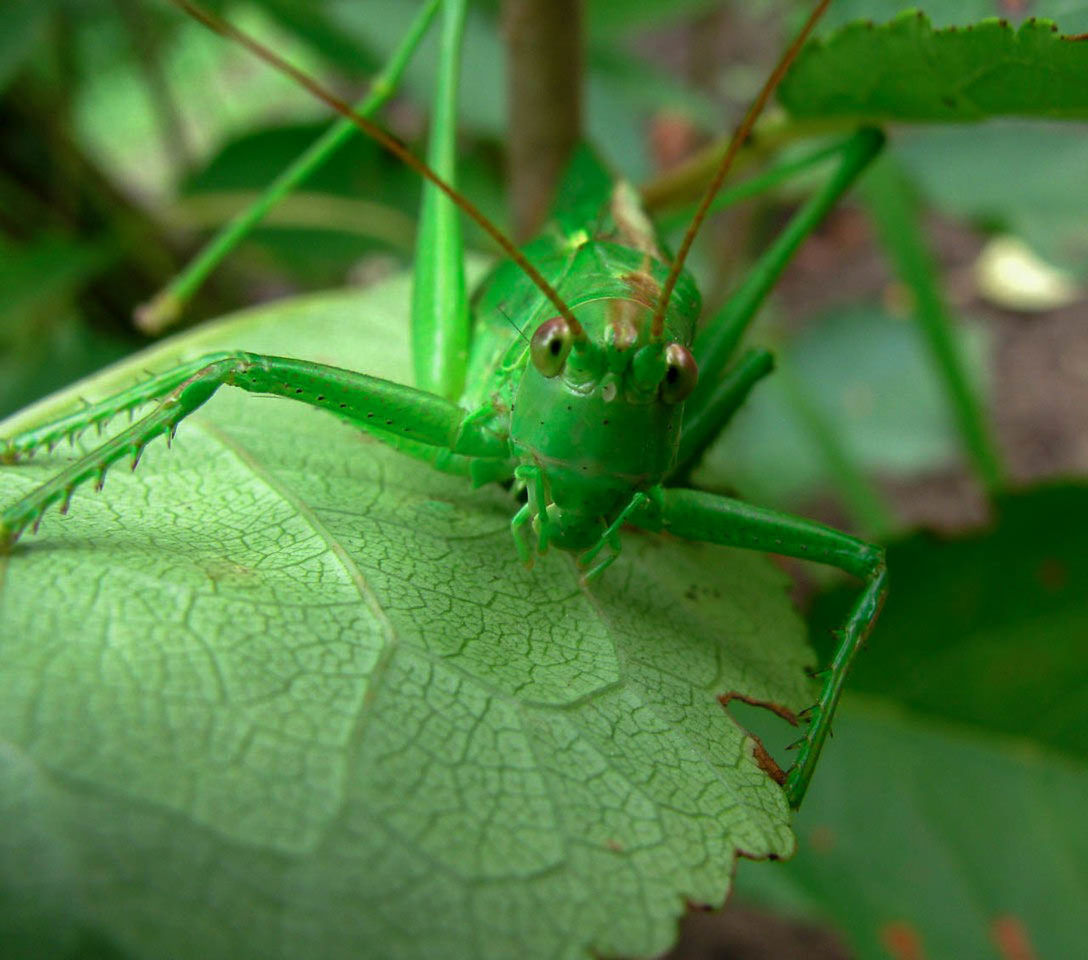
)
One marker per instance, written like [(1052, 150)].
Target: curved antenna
[(657, 325), (391, 144)]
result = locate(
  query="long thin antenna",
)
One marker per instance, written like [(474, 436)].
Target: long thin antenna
[(391, 144), (510, 320), (657, 325)]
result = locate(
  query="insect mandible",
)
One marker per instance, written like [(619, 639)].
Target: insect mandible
[(580, 379)]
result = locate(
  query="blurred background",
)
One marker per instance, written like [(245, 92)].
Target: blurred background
[(949, 820)]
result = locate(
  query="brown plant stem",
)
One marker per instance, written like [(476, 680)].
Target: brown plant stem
[(544, 54)]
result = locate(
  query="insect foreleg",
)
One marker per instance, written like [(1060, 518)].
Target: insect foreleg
[(533, 511), (696, 515), (390, 410)]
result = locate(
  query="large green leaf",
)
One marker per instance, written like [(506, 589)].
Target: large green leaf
[(1071, 14), (906, 70), (283, 692)]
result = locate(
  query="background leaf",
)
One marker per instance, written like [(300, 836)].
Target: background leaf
[(906, 70), (989, 629), (284, 692), (950, 804), (868, 374), (938, 839), (1017, 175), (24, 24)]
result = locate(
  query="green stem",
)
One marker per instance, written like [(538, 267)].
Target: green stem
[(752, 187), (896, 214), (166, 306), (684, 184), (441, 325)]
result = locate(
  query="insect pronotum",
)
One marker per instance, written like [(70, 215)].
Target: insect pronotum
[(602, 396)]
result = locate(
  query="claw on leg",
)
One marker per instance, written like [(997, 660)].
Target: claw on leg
[(517, 528)]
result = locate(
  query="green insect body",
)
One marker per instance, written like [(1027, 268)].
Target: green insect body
[(590, 422), (585, 384)]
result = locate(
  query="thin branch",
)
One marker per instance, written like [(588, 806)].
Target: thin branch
[(544, 57)]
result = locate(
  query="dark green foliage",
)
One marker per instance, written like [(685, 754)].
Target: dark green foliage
[(989, 628), (906, 70), (952, 810)]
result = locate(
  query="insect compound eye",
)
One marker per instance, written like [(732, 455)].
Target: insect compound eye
[(681, 374), (550, 345)]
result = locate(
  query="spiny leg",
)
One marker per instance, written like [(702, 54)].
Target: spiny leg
[(696, 515), (389, 410), (98, 415), (716, 344)]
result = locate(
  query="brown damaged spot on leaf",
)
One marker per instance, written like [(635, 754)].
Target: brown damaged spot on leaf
[(1010, 936), (1052, 575), (234, 574), (776, 708), (902, 941), (766, 762), (822, 839), (695, 592)]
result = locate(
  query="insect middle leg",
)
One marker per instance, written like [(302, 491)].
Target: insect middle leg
[(387, 409), (610, 538), (708, 517)]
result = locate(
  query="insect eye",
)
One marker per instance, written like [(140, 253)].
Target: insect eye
[(550, 345), (681, 374)]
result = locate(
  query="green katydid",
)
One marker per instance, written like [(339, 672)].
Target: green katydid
[(579, 377)]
